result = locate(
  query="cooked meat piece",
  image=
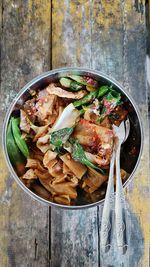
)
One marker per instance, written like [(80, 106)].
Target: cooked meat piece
[(94, 137), (52, 89), (24, 122), (45, 107)]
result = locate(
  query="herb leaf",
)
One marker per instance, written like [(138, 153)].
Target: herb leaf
[(79, 155), (58, 138)]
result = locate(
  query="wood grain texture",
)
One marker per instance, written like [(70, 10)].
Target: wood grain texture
[(74, 234), (24, 223), (116, 45), (123, 33)]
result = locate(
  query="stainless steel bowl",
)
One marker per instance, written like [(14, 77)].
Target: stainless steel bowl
[(129, 160)]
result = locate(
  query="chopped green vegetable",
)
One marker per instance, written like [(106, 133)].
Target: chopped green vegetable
[(12, 148), (103, 90), (71, 85), (84, 80), (86, 99), (58, 138), (91, 96), (18, 138), (79, 155)]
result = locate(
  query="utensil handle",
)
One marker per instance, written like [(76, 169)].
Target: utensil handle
[(120, 208), (108, 211)]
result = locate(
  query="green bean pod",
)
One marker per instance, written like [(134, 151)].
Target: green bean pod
[(86, 99), (18, 139), (12, 148)]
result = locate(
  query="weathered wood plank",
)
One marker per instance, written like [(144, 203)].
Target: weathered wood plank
[(119, 38), (24, 223), (74, 234)]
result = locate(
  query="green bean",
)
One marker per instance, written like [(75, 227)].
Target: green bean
[(86, 99), (18, 139), (12, 148), (102, 90)]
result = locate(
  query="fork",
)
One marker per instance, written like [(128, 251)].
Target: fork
[(114, 211), (122, 133)]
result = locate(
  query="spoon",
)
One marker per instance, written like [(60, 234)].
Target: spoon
[(108, 216)]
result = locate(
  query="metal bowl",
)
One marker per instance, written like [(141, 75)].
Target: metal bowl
[(134, 143)]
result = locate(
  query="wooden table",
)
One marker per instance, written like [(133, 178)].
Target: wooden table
[(36, 36)]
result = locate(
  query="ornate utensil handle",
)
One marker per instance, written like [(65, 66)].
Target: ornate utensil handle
[(108, 211), (120, 208)]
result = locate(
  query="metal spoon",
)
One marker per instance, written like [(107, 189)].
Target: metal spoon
[(122, 133), (107, 223)]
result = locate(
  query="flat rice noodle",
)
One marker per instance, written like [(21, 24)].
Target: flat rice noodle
[(64, 188), (40, 131), (66, 170), (30, 174), (76, 167), (94, 179), (55, 167), (45, 183), (62, 199), (52, 89), (36, 153), (42, 175), (43, 143), (35, 164), (41, 191), (49, 155)]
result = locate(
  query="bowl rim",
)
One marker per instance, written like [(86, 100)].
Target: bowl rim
[(22, 91)]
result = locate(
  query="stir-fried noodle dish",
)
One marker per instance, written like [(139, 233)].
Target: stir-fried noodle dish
[(61, 142)]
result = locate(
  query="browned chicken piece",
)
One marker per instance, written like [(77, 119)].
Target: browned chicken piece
[(118, 115), (52, 89), (46, 107), (96, 139), (76, 167), (24, 122)]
